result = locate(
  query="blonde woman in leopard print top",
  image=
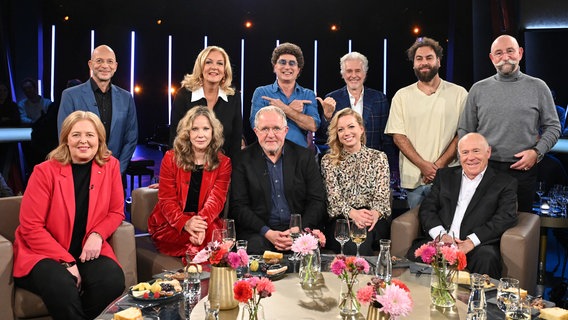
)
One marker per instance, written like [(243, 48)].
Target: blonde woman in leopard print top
[(357, 182)]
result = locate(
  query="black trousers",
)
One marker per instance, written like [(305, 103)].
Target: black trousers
[(102, 282), (526, 180), (367, 248)]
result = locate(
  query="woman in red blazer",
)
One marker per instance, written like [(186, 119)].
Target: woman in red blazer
[(194, 179), (73, 202)]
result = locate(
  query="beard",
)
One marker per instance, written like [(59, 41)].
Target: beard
[(506, 67), (428, 76)]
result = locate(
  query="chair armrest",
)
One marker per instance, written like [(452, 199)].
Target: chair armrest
[(6, 280), (124, 246), (143, 202), (404, 229), (519, 250)]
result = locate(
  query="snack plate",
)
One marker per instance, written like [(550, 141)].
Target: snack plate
[(534, 311), (160, 299), (261, 262), (163, 275), (494, 283)]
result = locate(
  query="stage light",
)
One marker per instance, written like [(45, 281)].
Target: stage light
[(137, 89), (66, 18), (248, 24), (334, 27), (159, 21), (416, 30), (172, 90)]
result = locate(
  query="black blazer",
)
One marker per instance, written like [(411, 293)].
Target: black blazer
[(491, 211), (251, 201)]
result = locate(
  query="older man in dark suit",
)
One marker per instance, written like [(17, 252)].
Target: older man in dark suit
[(473, 203), (274, 179)]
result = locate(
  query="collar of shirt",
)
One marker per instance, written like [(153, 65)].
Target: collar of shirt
[(514, 76), (358, 107), (96, 88), (276, 87), (477, 177), (200, 94)]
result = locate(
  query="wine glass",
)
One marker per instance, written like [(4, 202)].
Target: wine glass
[(231, 235), (341, 232), (508, 294), (540, 189), (218, 235), (295, 229), (358, 234)]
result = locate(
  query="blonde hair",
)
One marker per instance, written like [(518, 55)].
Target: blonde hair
[(62, 153), (335, 147), (183, 151), (194, 80)]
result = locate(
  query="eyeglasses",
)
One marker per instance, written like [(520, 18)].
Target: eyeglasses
[(275, 130), (100, 61), (291, 63), (500, 53)]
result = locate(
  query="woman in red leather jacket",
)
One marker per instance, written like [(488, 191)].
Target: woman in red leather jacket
[(194, 179)]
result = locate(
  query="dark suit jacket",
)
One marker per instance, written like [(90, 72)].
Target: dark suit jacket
[(123, 134), (251, 201), (491, 211), (375, 114)]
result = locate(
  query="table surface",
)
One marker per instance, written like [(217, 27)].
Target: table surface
[(291, 301)]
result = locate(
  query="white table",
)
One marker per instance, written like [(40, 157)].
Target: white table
[(290, 301)]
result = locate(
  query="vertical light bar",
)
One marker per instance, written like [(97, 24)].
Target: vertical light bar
[(52, 75), (205, 41), (349, 45), (277, 42), (385, 66), (40, 50), (169, 78), (39, 87), (242, 73), (132, 48), (92, 48), (316, 66)]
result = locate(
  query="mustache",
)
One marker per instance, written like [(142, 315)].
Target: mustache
[(509, 61)]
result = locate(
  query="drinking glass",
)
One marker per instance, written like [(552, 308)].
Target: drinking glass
[(295, 230), (520, 311), (540, 189), (231, 235), (341, 232), (211, 310), (358, 234), (508, 294), (218, 235), (242, 244)]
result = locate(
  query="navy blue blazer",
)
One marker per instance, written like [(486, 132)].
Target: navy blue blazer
[(124, 124), (375, 115)]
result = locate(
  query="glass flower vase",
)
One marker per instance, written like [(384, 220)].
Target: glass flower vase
[(310, 267), (443, 285), (253, 312), (348, 303)]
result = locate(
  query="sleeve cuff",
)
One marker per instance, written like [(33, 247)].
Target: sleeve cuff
[(264, 230), (474, 239), (436, 231)]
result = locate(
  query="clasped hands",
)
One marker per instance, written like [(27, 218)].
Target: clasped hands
[(365, 217), (463, 245), (196, 227)]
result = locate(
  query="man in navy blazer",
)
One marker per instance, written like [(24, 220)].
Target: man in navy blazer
[(114, 105), (274, 179), (474, 203), (370, 103)]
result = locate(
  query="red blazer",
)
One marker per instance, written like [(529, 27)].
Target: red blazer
[(167, 220), (48, 210)]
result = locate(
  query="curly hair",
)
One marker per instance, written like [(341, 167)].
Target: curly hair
[(194, 80), (183, 150), (425, 42), (288, 48), (62, 153), (335, 147)]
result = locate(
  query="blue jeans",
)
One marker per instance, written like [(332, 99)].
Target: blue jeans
[(415, 196)]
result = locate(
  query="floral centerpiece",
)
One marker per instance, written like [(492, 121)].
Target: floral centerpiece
[(446, 261), (391, 298), (307, 248), (250, 291), (347, 269), (223, 274)]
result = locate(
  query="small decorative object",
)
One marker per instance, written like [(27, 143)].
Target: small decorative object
[(223, 274), (250, 291), (307, 248), (387, 300), (446, 261), (347, 269)]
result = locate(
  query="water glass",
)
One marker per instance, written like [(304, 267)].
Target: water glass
[(508, 294), (191, 292), (295, 232), (521, 311), (242, 244), (241, 271), (211, 310)]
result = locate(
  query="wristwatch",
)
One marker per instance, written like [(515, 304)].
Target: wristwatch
[(539, 155)]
